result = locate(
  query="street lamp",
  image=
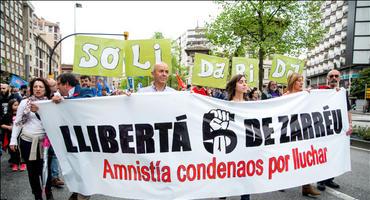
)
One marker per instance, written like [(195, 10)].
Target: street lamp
[(77, 5)]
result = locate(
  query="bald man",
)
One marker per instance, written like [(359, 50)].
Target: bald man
[(333, 79), (160, 75)]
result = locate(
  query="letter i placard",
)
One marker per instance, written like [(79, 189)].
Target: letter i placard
[(141, 55)]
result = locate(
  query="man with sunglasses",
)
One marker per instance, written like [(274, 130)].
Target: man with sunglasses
[(333, 79)]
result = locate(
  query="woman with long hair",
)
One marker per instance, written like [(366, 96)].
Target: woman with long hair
[(237, 89), (28, 127), (295, 84)]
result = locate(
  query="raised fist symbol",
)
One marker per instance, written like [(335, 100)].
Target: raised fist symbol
[(221, 119), (216, 136)]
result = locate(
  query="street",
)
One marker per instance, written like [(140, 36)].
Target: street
[(354, 184)]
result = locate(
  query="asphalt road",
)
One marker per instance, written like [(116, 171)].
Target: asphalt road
[(354, 184)]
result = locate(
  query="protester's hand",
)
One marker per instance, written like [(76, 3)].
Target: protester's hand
[(308, 90), (34, 107), (337, 88), (13, 147), (221, 119), (349, 131), (57, 99)]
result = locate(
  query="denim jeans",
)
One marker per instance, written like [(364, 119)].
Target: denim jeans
[(54, 165)]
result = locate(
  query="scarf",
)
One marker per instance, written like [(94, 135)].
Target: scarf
[(27, 111)]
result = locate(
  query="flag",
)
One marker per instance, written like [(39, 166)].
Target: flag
[(78, 5), (181, 84), (17, 81)]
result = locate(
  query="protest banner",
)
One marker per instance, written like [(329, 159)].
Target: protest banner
[(283, 66), (248, 67), (98, 56), (210, 71), (141, 55), (182, 145)]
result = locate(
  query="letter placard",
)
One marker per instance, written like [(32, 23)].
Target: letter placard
[(283, 66), (248, 67), (141, 55), (210, 71), (98, 56)]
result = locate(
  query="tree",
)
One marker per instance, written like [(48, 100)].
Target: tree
[(358, 85), (175, 53), (262, 28)]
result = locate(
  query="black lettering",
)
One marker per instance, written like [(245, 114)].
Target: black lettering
[(284, 130), (337, 118), (181, 138), (125, 138), (163, 135), (328, 122), (253, 135), (307, 128), (295, 128), (107, 135), (144, 138), (267, 131), (81, 140), (67, 139), (93, 138), (318, 124)]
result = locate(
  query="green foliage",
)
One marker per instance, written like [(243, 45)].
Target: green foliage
[(262, 28), (362, 132), (158, 35), (358, 84)]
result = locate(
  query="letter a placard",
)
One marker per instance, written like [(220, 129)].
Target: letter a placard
[(141, 55), (98, 56), (210, 71), (283, 66)]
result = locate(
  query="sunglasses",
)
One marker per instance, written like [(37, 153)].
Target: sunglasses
[(336, 76)]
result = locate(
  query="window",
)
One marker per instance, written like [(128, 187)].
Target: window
[(363, 3), (363, 14), (362, 43), (361, 57), (362, 28)]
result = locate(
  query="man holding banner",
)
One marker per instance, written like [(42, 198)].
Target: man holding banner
[(160, 75), (333, 79)]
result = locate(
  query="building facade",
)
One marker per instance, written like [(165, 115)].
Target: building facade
[(26, 41), (346, 44), (191, 42), (12, 43)]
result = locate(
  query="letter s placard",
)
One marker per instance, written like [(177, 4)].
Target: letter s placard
[(98, 56)]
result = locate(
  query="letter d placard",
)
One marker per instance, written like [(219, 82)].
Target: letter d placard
[(98, 56), (210, 71)]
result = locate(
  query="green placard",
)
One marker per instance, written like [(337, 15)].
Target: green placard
[(248, 67), (141, 55), (210, 71), (283, 66), (98, 56)]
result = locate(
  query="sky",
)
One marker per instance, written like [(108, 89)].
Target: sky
[(140, 18)]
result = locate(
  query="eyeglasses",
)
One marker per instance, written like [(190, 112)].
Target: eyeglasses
[(336, 76)]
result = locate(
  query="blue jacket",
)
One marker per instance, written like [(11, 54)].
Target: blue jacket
[(82, 92)]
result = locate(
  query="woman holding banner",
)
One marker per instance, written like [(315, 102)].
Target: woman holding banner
[(28, 126), (237, 89), (295, 84)]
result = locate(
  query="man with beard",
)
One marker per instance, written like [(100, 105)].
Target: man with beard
[(86, 83), (5, 96), (333, 79)]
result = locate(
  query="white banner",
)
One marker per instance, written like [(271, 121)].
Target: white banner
[(186, 146)]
